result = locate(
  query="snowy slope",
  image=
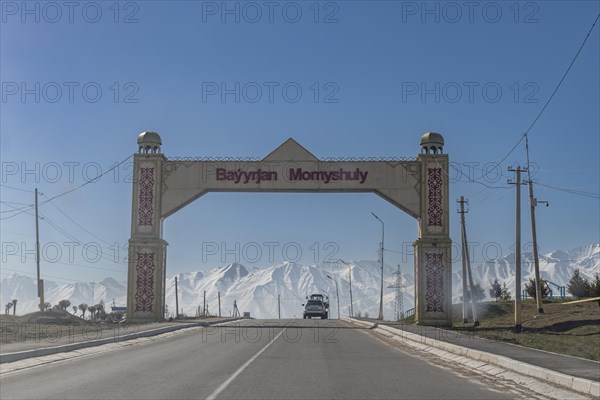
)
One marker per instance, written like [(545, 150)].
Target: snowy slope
[(556, 267), (256, 291)]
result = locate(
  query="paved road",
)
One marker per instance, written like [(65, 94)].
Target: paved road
[(305, 359)]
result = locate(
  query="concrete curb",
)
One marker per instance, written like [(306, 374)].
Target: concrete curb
[(570, 382), (21, 355)]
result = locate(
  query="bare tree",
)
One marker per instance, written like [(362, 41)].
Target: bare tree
[(47, 306), (92, 310), (83, 307), (63, 304), (100, 309), (7, 307), (75, 310)]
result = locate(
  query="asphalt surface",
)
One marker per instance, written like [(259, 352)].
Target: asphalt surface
[(574, 366), (251, 359)]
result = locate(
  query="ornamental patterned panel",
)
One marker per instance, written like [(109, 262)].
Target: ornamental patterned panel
[(434, 282), (146, 209), (434, 197), (144, 284)]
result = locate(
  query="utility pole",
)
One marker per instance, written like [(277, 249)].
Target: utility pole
[(536, 258), (219, 297), (536, 261), (337, 295), (381, 291), (176, 300), (464, 262), (279, 306), (350, 281), (40, 285), (204, 306), (467, 262), (518, 320)]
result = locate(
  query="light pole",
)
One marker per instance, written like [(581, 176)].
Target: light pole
[(337, 295), (381, 292), (350, 280), (324, 291)]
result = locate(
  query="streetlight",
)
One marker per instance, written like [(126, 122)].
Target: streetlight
[(350, 279), (381, 293), (324, 291), (337, 295)]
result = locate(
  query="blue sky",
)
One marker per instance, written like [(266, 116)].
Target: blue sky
[(79, 85)]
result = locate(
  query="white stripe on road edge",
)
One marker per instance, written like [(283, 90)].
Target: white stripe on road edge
[(224, 385)]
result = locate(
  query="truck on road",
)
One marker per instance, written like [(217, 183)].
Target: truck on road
[(316, 306)]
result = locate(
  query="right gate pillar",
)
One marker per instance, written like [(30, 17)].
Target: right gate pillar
[(432, 250)]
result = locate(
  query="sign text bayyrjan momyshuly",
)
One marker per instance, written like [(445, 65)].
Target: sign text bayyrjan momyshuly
[(294, 174)]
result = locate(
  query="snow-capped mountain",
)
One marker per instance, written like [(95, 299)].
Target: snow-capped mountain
[(556, 268), (24, 289), (257, 290)]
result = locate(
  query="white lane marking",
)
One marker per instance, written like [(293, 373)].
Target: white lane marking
[(224, 385)]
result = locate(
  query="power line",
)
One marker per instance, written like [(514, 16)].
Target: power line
[(16, 188), (524, 136), (564, 75), (469, 178), (15, 209), (70, 190), (88, 182), (50, 276), (76, 223), (67, 264), (75, 239), (573, 191), (15, 202)]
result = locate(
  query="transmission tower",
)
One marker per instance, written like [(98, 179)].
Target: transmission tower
[(399, 298)]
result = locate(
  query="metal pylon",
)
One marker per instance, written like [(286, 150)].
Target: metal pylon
[(399, 298)]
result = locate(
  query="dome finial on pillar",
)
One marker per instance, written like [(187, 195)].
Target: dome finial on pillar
[(432, 143), (149, 142)]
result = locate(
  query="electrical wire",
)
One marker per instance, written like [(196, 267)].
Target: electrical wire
[(572, 191), (96, 179), (16, 188), (87, 182), (76, 223), (62, 263), (524, 136)]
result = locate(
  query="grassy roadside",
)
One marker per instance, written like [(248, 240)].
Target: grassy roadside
[(56, 326), (61, 327), (571, 329)]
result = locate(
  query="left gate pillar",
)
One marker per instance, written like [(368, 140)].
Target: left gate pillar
[(147, 250)]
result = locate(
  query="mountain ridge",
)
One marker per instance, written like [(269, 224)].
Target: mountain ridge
[(257, 290)]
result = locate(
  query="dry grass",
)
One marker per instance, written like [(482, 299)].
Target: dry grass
[(55, 326), (572, 329)]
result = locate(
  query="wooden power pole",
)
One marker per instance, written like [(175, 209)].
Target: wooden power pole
[(176, 300), (517, 182), (467, 263), (40, 284)]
